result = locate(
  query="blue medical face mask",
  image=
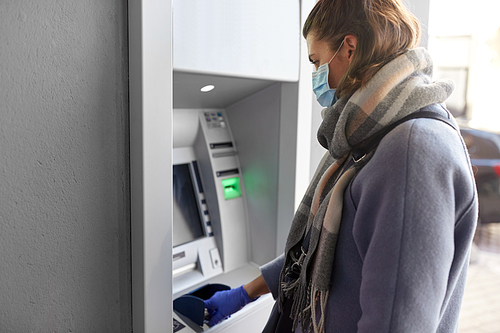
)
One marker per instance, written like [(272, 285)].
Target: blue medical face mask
[(325, 96)]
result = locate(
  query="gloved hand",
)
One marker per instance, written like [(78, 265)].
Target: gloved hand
[(224, 303)]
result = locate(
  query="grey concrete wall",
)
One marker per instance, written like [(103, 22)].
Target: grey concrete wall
[(64, 179)]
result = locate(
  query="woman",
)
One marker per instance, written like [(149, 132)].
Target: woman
[(380, 245)]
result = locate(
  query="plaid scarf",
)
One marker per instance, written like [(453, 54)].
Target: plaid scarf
[(401, 87)]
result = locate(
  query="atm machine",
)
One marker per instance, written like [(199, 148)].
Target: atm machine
[(210, 225), (229, 203), (234, 151)]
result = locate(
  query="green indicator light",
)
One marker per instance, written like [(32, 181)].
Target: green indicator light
[(231, 188)]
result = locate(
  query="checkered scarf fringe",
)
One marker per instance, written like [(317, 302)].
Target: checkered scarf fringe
[(401, 87)]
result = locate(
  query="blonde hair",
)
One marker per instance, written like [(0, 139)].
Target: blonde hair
[(384, 30)]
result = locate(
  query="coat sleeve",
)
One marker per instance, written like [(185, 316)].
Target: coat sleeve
[(414, 190), (271, 273)]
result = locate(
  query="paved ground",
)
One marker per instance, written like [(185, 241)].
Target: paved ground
[(481, 307)]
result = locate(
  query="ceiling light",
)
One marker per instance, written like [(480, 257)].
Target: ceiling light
[(207, 88)]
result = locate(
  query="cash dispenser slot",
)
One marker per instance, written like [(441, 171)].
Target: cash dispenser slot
[(192, 305)]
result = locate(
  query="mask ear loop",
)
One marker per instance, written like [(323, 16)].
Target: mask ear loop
[(337, 51)]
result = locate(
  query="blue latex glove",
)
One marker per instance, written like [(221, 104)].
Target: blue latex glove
[(224, 303)]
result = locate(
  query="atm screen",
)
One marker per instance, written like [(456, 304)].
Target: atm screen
[(187, 224)]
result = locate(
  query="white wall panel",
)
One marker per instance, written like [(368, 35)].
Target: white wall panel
[(257, 39), (150, 69)]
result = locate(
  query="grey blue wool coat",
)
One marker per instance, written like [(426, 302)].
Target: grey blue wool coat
[(408, 221)]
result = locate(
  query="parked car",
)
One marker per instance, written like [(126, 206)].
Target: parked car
[(484, 151)]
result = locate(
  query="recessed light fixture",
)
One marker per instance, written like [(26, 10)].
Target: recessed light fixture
[(207, 88)]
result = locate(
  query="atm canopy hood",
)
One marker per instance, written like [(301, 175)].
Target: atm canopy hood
[(228, 90)]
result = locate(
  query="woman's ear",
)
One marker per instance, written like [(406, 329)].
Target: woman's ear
[(350, 41)]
